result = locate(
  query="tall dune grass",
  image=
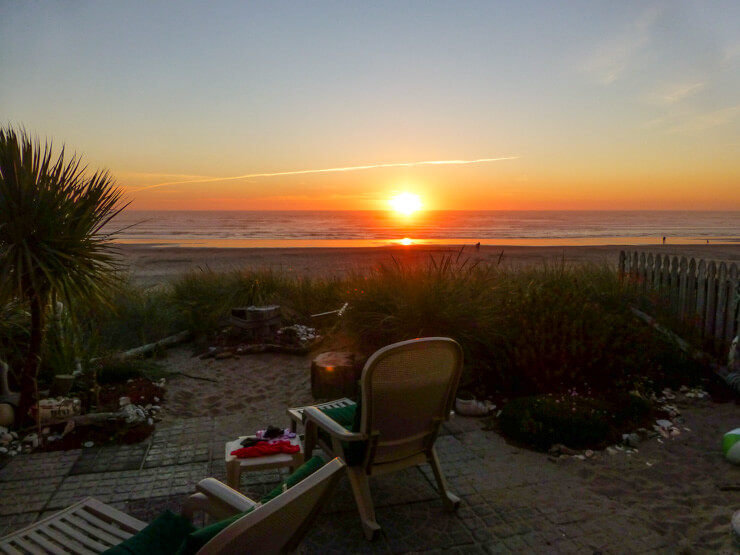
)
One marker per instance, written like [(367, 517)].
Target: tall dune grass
[(524, 332)]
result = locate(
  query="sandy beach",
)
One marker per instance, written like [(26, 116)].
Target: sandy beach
[(151, 264), (682, 487)]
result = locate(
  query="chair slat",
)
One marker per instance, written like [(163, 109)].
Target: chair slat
[(100, 534), (64, 528), (69, 542), (113, 515), (37, 536), (118, 532), (8, 549)]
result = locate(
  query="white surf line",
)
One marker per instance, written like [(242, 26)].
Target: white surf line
[(327, 170)]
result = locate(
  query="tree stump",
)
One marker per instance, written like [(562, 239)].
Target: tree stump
[(333, 375)]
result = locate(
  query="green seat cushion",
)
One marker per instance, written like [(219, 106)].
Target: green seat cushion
[(163, 536), (301, 473), (349, 418), (198, 538)]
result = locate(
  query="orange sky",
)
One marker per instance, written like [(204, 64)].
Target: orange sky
[(574, 105)]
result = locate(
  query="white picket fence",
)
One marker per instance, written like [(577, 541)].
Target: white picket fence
[(706, 293)]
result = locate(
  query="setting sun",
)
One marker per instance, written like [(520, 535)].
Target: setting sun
[(406, 203)]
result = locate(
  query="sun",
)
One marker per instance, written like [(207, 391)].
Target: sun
[(406, 203)]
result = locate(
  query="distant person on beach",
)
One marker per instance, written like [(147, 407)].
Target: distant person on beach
[(477, 246), (664, 239)]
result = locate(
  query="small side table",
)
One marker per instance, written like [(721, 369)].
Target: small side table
[(296, 413), (235, 466)]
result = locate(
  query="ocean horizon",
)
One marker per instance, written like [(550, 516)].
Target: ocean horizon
[(324, 228)]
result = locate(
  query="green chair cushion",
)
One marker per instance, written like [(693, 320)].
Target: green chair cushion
[(161, 537), (198, 538), (349, 418), (301, 473)]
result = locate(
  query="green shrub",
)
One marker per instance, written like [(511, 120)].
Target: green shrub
[(123, 370), (572, 419)]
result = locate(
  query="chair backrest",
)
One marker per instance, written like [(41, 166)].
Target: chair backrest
[(280, 524), (408, 390)]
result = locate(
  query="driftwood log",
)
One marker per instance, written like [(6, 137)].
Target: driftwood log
[(148, 348)]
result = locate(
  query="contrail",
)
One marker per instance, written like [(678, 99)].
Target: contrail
[(327, 170)]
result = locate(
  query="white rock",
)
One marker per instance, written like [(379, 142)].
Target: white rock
[(611, 451), (88, 444), (45, 431), (123, 401), (150, 421), (3, 430), (156, 408), (156, 399), (3, 450), (31, 441), (14, 435), (12, 452), (589, 453), (664, 423)]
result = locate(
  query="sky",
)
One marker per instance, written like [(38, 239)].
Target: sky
[(501, 105)]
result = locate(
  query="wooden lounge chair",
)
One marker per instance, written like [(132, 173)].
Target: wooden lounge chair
[(276, 526), (407, 391)]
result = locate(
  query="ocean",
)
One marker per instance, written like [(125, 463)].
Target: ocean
[(380, 228)]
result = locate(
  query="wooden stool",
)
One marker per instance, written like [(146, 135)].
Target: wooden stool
[(235, 466)]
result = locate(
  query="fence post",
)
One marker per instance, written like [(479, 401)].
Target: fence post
[(690, 306), (711, 299), (733, 303), (674, 285), (701, 293), (721, 310), (683, 286)]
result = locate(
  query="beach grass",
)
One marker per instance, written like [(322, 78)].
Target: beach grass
[(526, 333)]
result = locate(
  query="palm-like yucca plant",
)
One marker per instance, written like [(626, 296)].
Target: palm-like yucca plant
[(51, 214)]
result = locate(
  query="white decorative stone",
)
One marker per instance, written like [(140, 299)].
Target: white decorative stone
[(123, 401), (664, 423), (88, 444)]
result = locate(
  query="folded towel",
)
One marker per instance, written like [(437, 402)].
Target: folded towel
[(263, 449)]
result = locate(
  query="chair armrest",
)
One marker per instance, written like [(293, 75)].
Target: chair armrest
[(217, 499), (332, 427)]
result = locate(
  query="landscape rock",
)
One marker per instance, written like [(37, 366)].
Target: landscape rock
[(631, 440)]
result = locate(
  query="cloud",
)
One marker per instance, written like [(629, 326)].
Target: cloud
[(709, 120), (324, 170), (624, 51), (672, 94)]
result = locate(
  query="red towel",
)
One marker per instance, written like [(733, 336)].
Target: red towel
[(263, 449)]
